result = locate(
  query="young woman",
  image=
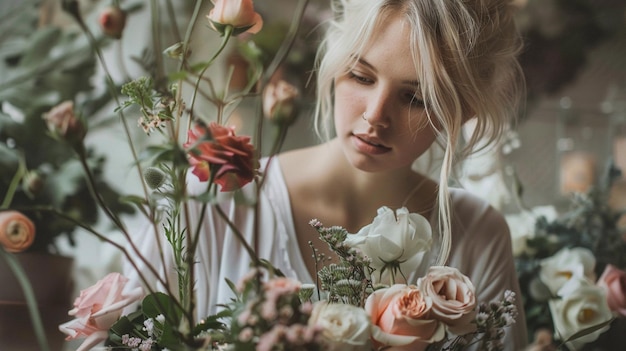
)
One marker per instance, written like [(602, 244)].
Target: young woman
[(395, 78)]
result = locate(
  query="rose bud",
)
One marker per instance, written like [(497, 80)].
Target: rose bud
[(17, 232), (112, 20), (239, 14), (33, 182), (279, 105), (63, 123)]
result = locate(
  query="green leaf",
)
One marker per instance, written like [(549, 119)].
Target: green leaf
[(211, 323), (589, 330), (179, 75), (41, 42), (159, 303)]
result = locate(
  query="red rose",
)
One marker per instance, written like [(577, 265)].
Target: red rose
[(218, 150)]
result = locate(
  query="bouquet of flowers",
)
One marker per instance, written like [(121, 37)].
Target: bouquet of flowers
[(362, 300), (572, 272), (351, 308)]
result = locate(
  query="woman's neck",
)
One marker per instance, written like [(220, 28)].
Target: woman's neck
[(335, 183)]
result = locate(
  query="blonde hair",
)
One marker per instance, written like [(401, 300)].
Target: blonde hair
[(465, 55)]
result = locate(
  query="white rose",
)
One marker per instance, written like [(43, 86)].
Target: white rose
[(581, 305), (395, 238), (565, 264), (522, 227), (344, 326)]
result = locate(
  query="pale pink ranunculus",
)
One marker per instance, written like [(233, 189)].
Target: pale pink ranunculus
[(17, 232), (453, 298), (613, 281), (232, 157), (237, 13), (98, 308), (402, 319)]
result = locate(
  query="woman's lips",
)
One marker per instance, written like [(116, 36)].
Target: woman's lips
[(369, 145)]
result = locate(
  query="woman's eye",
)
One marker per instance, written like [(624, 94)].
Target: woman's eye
[(413, 99), (360, 79)]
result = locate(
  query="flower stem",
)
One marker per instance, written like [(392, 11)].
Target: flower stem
[(242, 240), (29, 295), (15, 181), (226, 37)]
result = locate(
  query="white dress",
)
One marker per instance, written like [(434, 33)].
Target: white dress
[(481, 246)]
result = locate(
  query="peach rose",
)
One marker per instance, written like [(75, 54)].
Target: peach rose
[(401, 318), (98, 308), (453, 298), (237, 13), (613, 281), (217, 150), (17, 232)]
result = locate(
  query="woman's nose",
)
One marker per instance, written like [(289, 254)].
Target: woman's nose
[(377, 112)]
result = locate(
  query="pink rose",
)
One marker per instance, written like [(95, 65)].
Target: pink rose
[(613, 280), (112, 20), (17, 232), (401, 318), (98, 308), (217, 150), (236, 13), (454, 300)]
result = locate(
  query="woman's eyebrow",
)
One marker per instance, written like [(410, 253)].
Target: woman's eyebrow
[(364, 62)]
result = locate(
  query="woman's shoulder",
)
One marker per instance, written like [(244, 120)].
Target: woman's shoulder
[(474, 213)]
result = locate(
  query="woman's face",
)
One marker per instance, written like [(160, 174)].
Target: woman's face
[(382, 86)]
